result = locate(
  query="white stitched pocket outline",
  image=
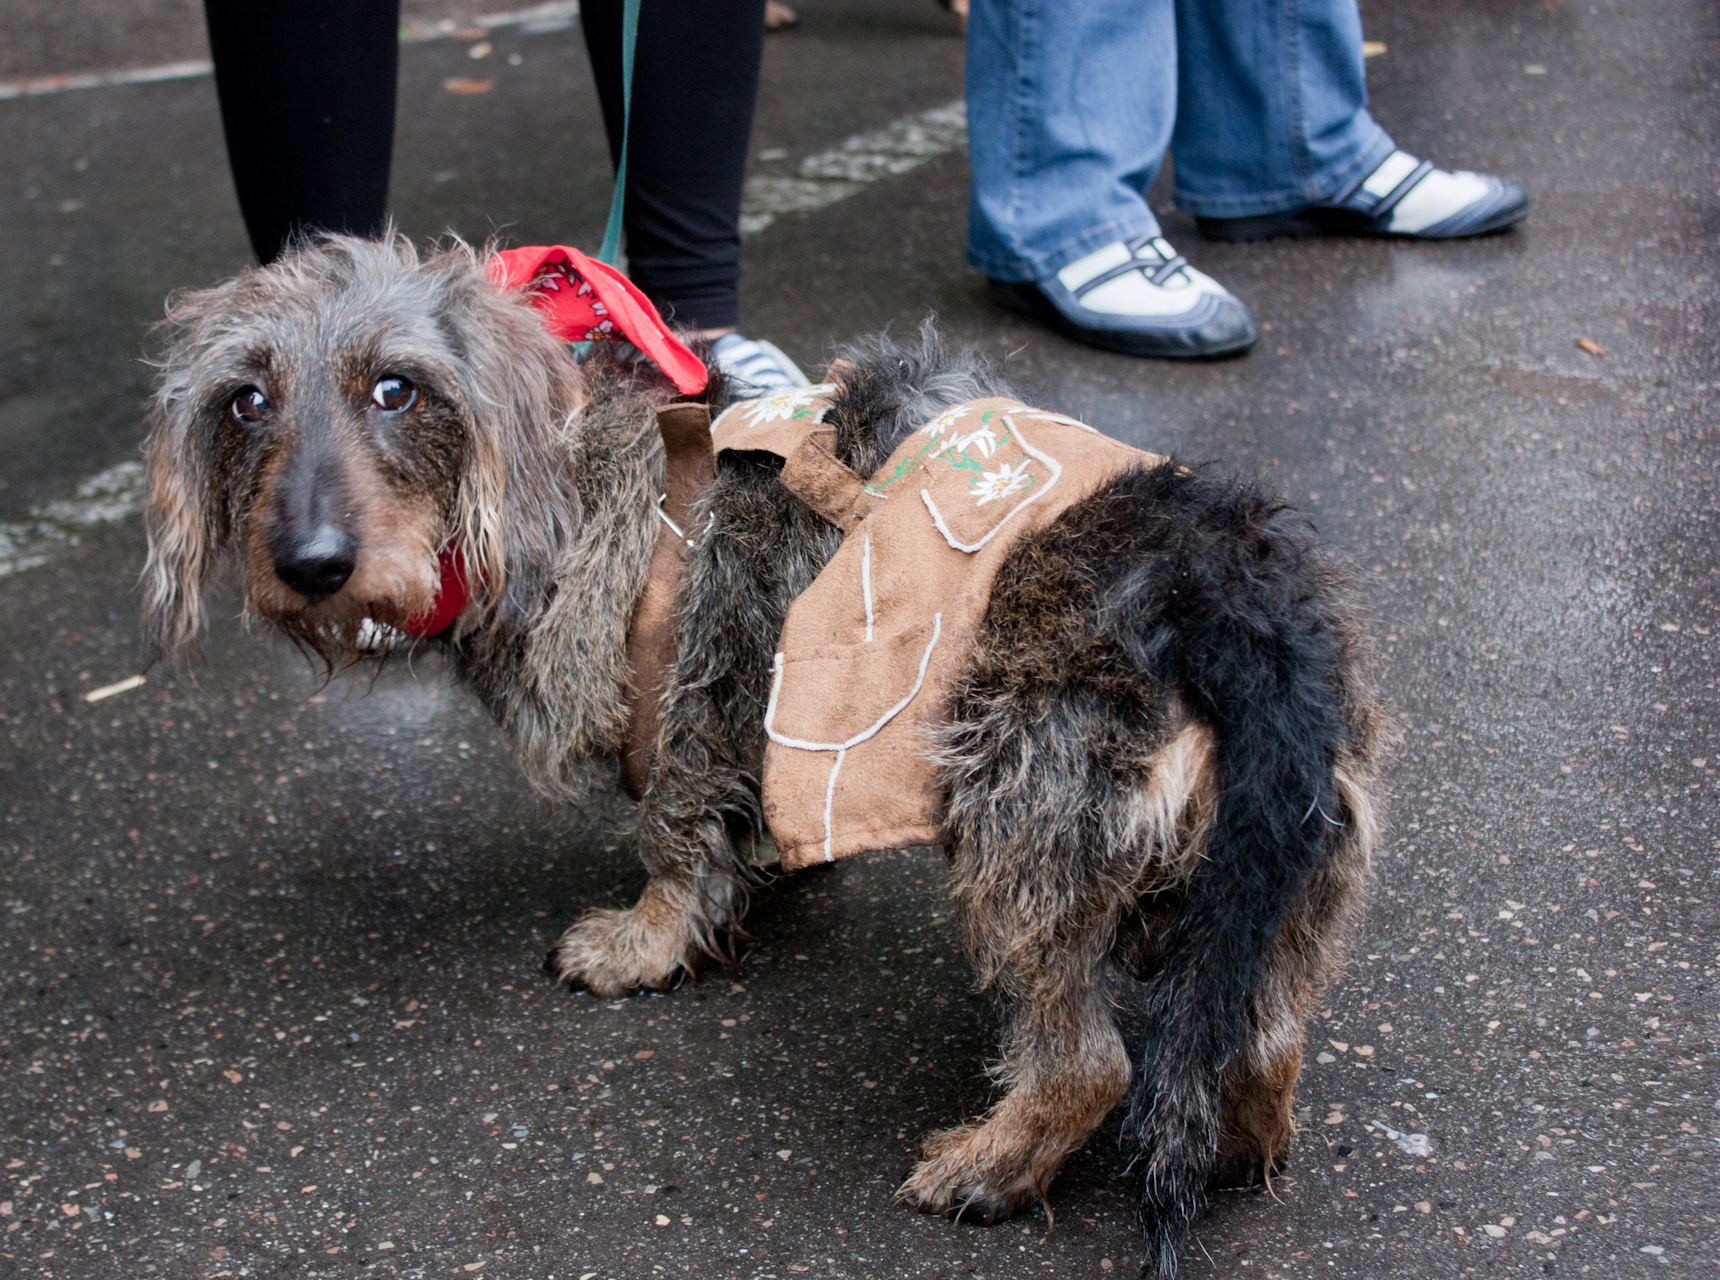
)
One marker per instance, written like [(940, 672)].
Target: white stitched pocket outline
[(842, 748), (971, 547)]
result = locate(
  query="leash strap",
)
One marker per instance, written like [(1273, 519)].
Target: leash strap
[(611, 249)]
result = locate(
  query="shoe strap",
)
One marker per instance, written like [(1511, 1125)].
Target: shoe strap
[(1157, 276), (1389, 201)]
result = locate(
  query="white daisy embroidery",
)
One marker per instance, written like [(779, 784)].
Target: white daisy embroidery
[(1001, 483), (783, 408), (985, 440), (948, 418)]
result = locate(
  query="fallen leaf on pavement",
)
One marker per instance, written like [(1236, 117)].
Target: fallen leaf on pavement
[(119, 686)]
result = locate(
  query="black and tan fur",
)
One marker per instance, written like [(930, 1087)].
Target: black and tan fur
[(1160, 758)]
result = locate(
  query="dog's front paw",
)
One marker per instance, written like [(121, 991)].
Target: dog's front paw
[(967, 1173), (614, 952)]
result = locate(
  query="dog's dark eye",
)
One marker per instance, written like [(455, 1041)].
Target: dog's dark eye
[(248, 407), (392, 395)]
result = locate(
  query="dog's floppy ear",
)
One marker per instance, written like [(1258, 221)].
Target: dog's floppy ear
[(177, 517), (182, 512), (517, 504)]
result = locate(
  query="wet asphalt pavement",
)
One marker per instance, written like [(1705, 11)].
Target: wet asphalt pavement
[(269, 995)]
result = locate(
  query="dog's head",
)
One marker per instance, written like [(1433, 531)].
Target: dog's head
[(338, 419)]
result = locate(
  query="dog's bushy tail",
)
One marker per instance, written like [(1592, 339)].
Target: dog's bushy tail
[(1230, 607)]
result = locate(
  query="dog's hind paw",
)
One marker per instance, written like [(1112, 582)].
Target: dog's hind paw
[(1242, 1170), (965, 1176)]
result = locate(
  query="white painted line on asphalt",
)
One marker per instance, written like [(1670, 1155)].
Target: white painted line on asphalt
[(849, 168), (38, 85), (537, 20), (106, 497)]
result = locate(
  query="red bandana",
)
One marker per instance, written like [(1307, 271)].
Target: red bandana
[(584, 300), (581, 300), (452, 597)]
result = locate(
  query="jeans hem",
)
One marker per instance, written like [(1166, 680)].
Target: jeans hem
[(1315, 191), (1019, 270)]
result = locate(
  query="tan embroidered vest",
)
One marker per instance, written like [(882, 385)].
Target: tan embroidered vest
[(868, 651)]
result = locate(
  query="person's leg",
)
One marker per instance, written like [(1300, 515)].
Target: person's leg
[(694, 80), (1273, 135), (1070, 110), (1271, 105), (307, 95)]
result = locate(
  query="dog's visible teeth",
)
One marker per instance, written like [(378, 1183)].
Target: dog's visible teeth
[(379, 637)]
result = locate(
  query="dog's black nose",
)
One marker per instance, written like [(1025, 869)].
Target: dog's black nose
[(320, 564)]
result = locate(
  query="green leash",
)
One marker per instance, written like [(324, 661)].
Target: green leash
[(611, 249)]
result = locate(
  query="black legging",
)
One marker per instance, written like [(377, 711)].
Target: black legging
[(307, 99), (307, 94), (695, 75)]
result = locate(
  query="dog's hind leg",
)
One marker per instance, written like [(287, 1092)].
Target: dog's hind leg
[(1064, 1065), (1065, 1068), (1257, 1123), (1060, 767)]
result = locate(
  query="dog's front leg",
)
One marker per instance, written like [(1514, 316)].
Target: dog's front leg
[(688, 905), (758, 551)]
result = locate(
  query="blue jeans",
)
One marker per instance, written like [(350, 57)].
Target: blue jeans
[(1073, 103)]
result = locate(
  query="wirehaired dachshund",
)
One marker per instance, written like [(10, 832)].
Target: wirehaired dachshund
[(1161, 757)]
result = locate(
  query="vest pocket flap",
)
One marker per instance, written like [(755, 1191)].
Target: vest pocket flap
[(831, 697), (983, 471), (968, 513)]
